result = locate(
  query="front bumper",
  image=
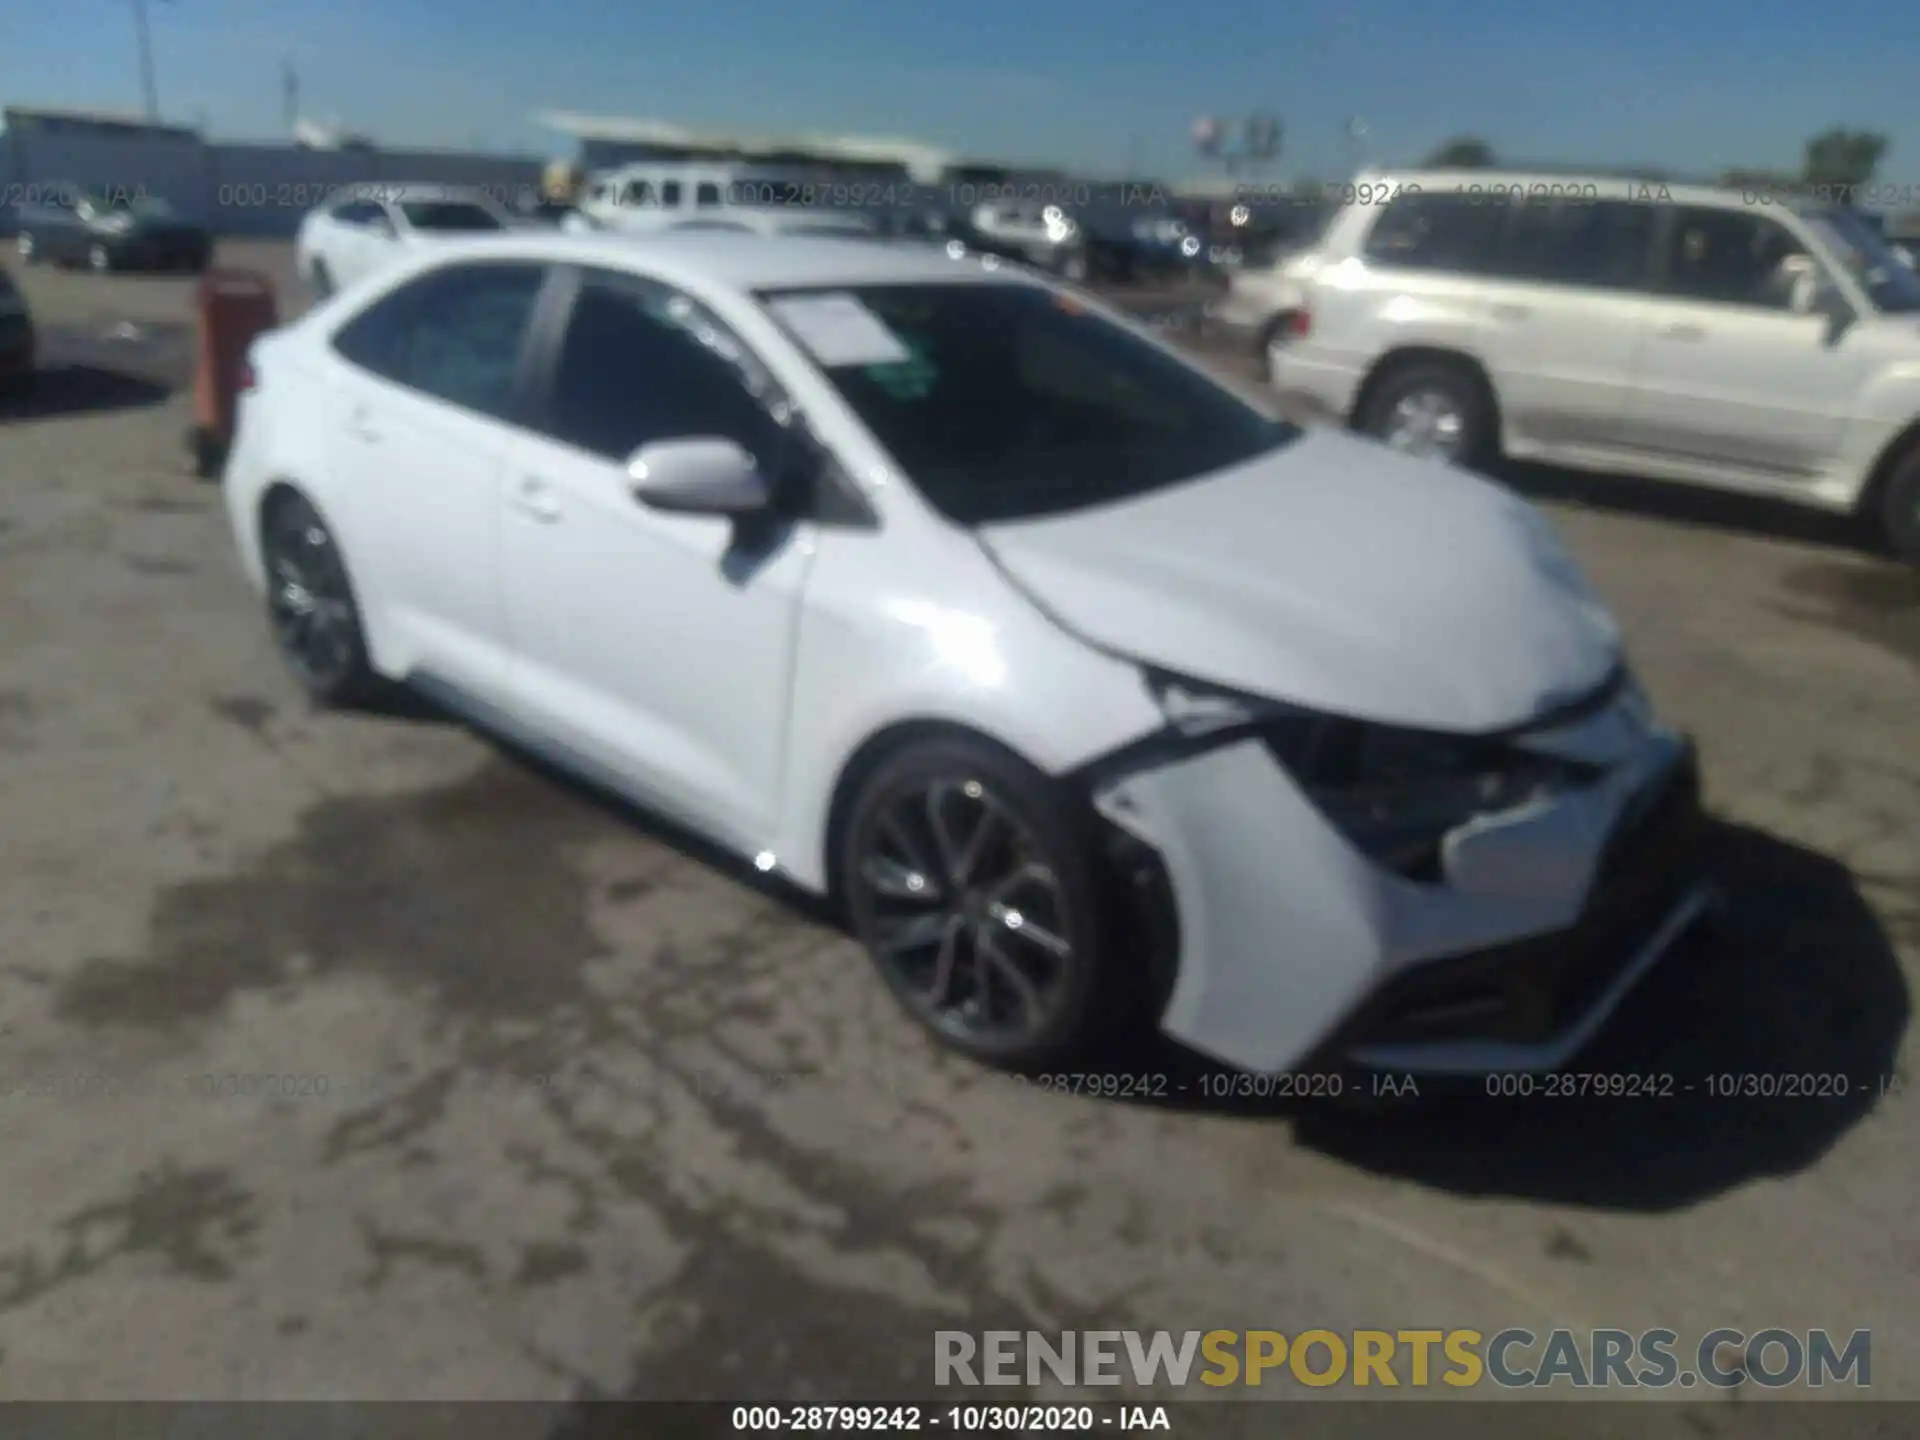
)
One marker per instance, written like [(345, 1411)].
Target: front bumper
[(1294, 949)]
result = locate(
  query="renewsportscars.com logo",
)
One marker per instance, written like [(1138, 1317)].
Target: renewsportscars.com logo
[(1510, 1359)]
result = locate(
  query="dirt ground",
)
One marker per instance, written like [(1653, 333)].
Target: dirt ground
[(604, 1118)]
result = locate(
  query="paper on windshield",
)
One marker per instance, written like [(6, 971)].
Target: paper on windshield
[(838, 330)]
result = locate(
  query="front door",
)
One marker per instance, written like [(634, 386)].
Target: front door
[(1730, 375), (659, 645)]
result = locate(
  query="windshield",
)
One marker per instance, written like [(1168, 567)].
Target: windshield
[(1010, 402), (1866, 256), (456, 215)]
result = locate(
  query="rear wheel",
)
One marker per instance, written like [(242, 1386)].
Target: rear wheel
[(1899, 517), (310, 605), (1431, 410), (972, 881)]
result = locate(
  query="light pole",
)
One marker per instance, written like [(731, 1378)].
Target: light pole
[(146, 60)]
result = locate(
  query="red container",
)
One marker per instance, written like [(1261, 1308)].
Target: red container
[(231, 308)]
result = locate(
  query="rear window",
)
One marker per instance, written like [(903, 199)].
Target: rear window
[(454, 215), (1436, 232), (1011, 402)]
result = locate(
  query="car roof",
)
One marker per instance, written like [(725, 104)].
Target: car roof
[(737, 260), (1550, 183)]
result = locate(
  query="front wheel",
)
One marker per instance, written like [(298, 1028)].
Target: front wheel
[(971, 879), (310, 604), (1899, 517), (1433, 411)]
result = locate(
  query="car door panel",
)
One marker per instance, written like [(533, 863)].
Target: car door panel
[(1730, 375), (427, 389), (658, 644)]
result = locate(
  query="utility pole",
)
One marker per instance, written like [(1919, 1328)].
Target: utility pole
[(289, 93), (146, 60)]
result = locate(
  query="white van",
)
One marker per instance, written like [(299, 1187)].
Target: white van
[(1756, 341), (643, 199)]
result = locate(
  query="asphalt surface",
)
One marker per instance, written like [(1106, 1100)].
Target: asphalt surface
[(604, 1117)]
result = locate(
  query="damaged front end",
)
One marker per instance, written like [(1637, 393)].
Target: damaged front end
[(1398, 898)]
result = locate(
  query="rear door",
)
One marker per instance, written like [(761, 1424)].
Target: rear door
[(431, 388), (1566, 302)]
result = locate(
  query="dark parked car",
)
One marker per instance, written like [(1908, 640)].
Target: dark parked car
[(70, 226), (16, 336)]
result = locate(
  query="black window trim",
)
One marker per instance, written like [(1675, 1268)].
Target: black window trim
[(835, 498), (1494, 269), (519, 397)]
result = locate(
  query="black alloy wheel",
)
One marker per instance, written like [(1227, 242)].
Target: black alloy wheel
[(969, 878), (310, 604)]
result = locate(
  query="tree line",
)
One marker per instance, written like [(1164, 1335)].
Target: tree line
[(1839, 160)]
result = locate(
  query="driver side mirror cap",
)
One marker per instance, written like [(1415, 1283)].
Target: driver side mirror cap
[(708, 476)]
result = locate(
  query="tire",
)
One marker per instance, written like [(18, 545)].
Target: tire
[(915, 907), (317, 630), (26, 249), (1450, 396), (1898, 520), (99, 258), (320, 279)]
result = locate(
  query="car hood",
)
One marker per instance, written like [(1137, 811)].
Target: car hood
[(1334, 574)]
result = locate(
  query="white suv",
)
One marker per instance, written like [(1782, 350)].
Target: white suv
[(1713, 336)]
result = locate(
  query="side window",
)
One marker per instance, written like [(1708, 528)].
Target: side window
[(639, 192), (1604, 243), (670, 193), (364, 213), (640, 363), (708, 193), (455, 334), (1435, 232), (1732, 257)]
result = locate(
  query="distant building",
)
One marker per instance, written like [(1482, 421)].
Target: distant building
[(607, 141), (104, 124)]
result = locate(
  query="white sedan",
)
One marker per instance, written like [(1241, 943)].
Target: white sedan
[(368, 227), (1087, 689)]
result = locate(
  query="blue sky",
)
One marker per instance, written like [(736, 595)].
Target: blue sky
[(1697, 85)]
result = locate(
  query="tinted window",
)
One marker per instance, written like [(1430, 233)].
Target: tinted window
[(449, 215), (1731, 256), (360, 212), (670, 193), (1574, 242), (1436, 232), (455, 334), (640, 363), (707, 194), (1014, 403), (1863, 250), (639, 192)]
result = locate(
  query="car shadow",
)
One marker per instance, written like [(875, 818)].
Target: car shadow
[(1686, 504), (1797, 984), (65, 390)]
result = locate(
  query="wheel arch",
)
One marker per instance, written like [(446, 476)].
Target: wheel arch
[(1402, 356), (868, 755), (1882, 471)]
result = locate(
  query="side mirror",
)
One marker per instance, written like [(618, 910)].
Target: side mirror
[(698, 477)]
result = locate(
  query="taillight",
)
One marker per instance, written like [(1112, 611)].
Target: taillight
[(1300, 324)]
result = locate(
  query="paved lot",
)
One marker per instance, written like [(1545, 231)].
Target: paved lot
[(202, 877)]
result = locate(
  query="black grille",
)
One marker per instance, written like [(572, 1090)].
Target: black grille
[(1531, 991)]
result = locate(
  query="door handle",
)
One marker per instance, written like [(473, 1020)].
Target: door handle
[(1683, 332), (1511, 312), (536, 501)]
